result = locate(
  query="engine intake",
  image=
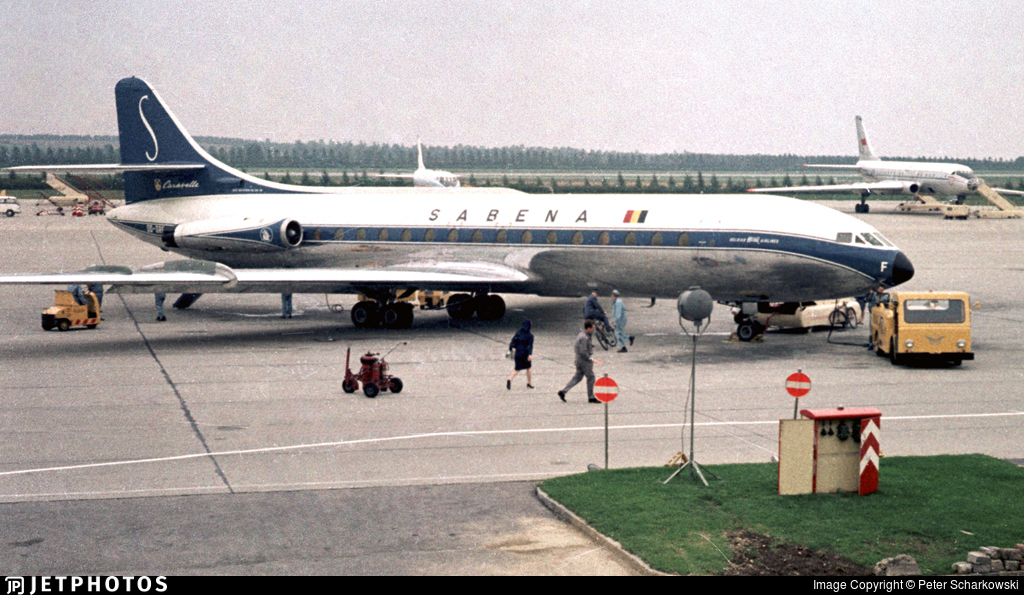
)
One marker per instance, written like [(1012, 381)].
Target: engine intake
[(236, 235)]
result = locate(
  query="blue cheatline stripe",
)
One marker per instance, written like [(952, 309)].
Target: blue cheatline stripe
[(847, 255)]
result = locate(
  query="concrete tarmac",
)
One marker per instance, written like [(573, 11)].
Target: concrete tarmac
[(229, 415)]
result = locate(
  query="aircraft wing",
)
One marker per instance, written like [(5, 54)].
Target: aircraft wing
[(196, 276), (887, 187), (1005, 191)]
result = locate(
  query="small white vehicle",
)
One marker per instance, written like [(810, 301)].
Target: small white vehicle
[(9, 206), (842, 313)]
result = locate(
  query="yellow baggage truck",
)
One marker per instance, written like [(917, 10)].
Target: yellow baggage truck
[(933, 326), (66, 312)]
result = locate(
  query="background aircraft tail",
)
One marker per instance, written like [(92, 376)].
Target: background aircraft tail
[(160, 159), (866, 153)]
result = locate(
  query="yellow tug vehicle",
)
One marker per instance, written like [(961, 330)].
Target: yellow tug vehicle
[(66, 312), (933, 326)]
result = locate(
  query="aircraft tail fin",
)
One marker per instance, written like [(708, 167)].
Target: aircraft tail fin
[(419, 155), (160, 159), (866, 153)]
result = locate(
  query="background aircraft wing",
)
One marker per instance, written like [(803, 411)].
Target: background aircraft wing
[(1006, 191), (196, 276), (887, 187), (106, 168)]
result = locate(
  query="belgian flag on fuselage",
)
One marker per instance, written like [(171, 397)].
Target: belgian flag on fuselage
[(635, 217)]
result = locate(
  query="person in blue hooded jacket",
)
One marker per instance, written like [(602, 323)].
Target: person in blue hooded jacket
[(521, 347)]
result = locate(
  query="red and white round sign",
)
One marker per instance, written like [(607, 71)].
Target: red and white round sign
[(798, 384), (605, 389)]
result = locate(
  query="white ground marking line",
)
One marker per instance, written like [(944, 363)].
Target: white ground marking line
[(476, 433)]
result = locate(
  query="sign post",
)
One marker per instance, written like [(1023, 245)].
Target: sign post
[(605, 390), (797, 385)]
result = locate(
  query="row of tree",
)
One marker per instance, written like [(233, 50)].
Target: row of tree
[(686, 184), (321, 155)]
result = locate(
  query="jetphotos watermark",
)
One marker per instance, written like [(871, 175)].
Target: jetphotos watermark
[(20, 585)]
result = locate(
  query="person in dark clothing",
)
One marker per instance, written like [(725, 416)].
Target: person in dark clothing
[(521, 347), (592, 310)]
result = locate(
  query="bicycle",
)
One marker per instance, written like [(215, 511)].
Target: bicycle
[(604, 334)]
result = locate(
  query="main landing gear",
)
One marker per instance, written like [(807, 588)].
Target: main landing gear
[(863, 206), (399, 315)]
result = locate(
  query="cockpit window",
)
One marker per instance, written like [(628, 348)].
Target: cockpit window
[(883, 240), (844, 237), (871, 239)]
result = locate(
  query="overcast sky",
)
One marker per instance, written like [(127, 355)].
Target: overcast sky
[(934, 79)]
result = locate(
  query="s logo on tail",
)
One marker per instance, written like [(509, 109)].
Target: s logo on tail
[(156, 145)]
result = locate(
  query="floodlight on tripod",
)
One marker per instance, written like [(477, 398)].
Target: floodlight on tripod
[(694, 305)]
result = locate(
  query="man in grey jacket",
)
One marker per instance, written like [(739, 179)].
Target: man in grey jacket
[(584, 363)]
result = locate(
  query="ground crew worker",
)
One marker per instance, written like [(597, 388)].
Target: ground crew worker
[(584, 350), (159, 299), (619, 316)]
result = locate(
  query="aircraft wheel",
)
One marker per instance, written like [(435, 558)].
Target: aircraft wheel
[(748, 329), (370, 389), (396, 385), (10, 212), (366, 314), (461, 306), (490, 307), (396, 316)]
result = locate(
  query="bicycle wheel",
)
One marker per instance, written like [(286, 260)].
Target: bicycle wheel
[(602, 338)]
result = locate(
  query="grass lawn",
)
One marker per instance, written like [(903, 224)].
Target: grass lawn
[(934, 508)]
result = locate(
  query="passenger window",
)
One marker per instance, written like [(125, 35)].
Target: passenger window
[(577, 238), (429, 236), (383, 235), (603, 239), (630, 239), (844, 238), (684, 239), (478, 236), (526, 238), (502, 236), (361, 235), (406, 235), (453, 235), (656, 239), (552, 237)]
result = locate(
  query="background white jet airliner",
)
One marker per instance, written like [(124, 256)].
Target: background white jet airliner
[(427, 178), (894, 177)]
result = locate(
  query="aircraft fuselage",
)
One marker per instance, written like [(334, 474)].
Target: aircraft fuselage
[(738, 248)]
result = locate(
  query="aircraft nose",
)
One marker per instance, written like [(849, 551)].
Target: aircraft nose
[(902, 269)]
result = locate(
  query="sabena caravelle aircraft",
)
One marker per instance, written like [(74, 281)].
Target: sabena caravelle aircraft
[(248, 235), (894, 177)]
